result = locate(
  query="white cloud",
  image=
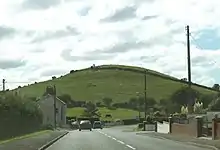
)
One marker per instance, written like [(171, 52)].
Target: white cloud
[(74, 34)]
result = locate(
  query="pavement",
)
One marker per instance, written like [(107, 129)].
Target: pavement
[(115, 139)]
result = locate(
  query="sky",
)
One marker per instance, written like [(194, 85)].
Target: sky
[(44, 38)]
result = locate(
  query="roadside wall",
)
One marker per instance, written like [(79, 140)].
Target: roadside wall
[(216, 128), (185, 127)]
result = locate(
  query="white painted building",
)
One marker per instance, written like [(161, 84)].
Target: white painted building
[(46, 104)]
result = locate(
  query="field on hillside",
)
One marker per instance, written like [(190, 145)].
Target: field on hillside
[(94, 85), (119, 113)]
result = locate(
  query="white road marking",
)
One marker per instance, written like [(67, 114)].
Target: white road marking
[(120, 142), (129, 146)]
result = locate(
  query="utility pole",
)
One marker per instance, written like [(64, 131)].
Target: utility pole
[(55, 107), (189, 68), (145, 94), (3, 84), (188, 56)]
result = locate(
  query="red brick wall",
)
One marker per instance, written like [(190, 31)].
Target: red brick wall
[(184, 129), (216, 128)]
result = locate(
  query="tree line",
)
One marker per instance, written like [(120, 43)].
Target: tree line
[(181, 97)]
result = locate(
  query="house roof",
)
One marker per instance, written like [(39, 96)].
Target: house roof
[(48, 95)]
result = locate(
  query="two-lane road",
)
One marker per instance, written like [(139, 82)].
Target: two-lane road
[(115, 139)]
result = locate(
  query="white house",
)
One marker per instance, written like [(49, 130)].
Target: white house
[(46, 104)]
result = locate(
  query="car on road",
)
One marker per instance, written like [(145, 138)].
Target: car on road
[(85, 125), (97, 125)]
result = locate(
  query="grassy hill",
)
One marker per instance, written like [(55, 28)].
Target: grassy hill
[(115, 81)]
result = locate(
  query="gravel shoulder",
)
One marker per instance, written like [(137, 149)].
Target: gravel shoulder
[(203, 142), (31, 143)]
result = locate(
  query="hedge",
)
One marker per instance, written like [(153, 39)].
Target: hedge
[(19, 115)]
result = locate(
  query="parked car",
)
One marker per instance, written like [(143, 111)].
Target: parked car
[(85, 125), (97, 125), (75, 125)]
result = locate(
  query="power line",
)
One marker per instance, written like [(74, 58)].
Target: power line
[(197, 44)]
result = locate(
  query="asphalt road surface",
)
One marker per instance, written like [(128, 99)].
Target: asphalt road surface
[(115, 139)]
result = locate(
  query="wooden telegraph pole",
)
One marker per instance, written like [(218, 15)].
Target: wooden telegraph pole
[(55, 107), (190, 102)]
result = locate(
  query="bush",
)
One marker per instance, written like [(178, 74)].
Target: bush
[(71, 71), (140, 125), (150, 120), (19, 115)]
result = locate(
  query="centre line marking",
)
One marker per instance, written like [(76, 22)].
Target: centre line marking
[(129, 146)]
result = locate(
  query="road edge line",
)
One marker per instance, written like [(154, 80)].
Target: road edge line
[(52, 141)]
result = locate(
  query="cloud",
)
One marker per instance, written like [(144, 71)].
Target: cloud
[(10, 64), (149, 17), (40, 4), (66, 55), (52, 72), (84, 11), (6, 32), (68, 31), (51, 35), (121, 15)]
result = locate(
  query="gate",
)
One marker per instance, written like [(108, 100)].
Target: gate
[(206, 126)]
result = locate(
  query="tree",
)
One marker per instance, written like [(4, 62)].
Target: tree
[(184, 79), (98, 104), (90, 106), (107, 101), (216, 86), (71, 71), (49, 90), (133, 103), (151, 101), (67, 99), (207, 99), (141, 101), (90, 109), (53, 77), (184, 96)]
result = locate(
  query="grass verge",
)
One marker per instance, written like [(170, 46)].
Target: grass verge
[(26, 136)]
